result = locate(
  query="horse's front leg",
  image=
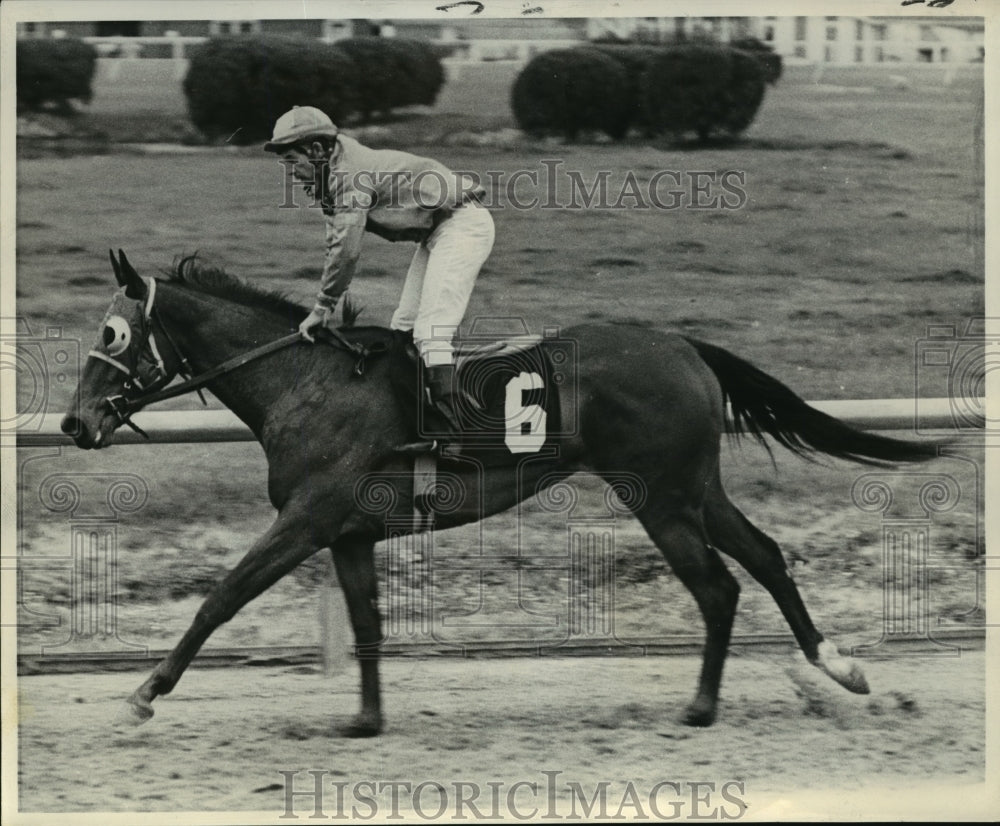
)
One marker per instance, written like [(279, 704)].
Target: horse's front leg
[(287, 543), (354, 559)]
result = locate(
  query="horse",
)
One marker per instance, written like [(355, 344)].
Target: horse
[(650, 405)]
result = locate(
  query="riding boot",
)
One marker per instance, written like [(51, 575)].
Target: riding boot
[(404, 340), (445, 397), (445, 400)]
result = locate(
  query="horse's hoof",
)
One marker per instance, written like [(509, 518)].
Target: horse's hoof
[(133, 713), (842, 670), (854, 680), (699, 714), (361, 727)]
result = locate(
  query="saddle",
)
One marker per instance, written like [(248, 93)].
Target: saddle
[(512, 386), (467, 351)]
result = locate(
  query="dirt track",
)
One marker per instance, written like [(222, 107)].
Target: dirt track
[(220, 741)]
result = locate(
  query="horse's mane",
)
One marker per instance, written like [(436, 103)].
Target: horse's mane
[(192, 272)]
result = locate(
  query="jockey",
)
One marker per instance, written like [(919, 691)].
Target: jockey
[(400, 197)]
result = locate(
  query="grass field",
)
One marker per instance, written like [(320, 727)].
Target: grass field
[(862, 226)]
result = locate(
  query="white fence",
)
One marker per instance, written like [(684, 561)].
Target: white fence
[(199, 426), (175, 47), (178, 48), (894, 74)]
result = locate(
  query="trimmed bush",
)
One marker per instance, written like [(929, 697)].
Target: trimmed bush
[(746, 90), (379, 78), (238, 86), (394, 72), (770, 61), (423, 66), (635, 59), (702, 89), (568, 91), (54, 72)]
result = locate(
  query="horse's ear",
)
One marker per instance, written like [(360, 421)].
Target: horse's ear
[(135, 287), (116, 268)]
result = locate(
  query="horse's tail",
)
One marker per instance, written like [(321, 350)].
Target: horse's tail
[(761, 404)]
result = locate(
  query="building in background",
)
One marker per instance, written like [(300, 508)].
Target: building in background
[(830, 39), (873, 39)]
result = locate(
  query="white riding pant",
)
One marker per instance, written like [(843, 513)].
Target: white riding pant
[(440, 279)]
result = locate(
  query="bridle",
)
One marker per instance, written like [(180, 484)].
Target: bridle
[(145, 371), (147, 376)]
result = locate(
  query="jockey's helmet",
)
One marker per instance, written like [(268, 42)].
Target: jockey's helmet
[(298, 124)]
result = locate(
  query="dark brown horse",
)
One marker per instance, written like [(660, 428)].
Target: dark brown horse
[(648, 405)]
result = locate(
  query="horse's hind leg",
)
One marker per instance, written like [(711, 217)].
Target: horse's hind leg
[(354, 559), (731, 532), (680, 536)]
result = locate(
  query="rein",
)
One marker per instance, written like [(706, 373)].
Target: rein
[(127, 407), (124, 407)]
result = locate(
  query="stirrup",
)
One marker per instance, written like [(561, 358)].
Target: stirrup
[(450, 450), (417, 448)]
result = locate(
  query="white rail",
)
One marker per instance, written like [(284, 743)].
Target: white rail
[(200, 426), (130, 48)]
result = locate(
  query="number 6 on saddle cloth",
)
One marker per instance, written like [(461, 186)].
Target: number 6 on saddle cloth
[(509, 395)]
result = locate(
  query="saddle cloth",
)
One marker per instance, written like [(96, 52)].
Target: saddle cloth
[(510, 383)]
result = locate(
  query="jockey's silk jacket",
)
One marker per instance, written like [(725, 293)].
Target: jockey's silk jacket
[(396, 195)]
